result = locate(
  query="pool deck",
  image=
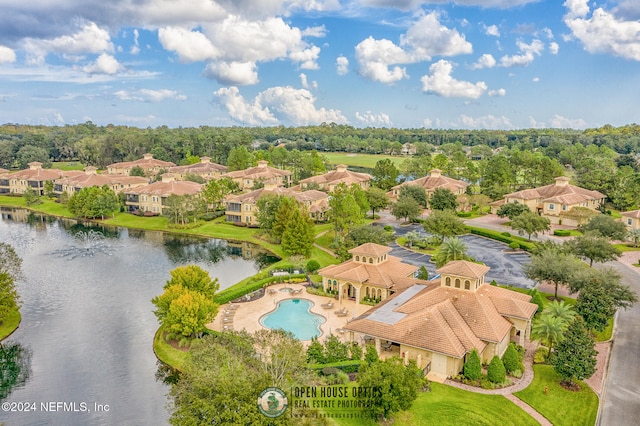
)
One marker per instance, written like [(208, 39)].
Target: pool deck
[(247, 315)]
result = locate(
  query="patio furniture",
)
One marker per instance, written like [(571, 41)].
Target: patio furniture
[(386, 346), (342, 312), (328, 305), (297, 291), (272, 291), (227, 319), (232, 307)]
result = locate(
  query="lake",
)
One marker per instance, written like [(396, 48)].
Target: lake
[(83, 353)]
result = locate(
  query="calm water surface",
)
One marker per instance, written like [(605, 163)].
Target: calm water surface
[(87, 319)]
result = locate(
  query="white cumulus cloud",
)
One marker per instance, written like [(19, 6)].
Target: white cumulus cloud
[(499, 92), (528, 53), (441, 83), (561, 122), (554, 48), (342, 65), (305, 82), (282, 104), (603, 32), (493, 30), (232, 73), (374, 120), (381, 60), (7, 55), (485, 122), (105, 64), (485, 61)]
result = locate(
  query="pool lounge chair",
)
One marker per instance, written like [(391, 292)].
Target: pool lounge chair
[(328, 305)]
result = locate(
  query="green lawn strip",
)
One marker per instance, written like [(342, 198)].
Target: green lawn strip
[(326, 240), (558, 405), (626, 247), (67, 165), (360, 160), (604, 335), (499, 236), (10, 323), (446, 405), (167, 353), (47, 206)]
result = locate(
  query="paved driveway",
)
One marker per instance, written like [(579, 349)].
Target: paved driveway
[(506, 266)]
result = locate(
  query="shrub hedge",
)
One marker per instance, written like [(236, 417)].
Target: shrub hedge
[(500, 236), (234, 292), (562, 232), (349, 366)]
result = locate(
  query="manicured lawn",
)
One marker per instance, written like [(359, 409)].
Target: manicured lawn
[(626, 247), (402, 242), (360, 160), (446, 405), (67, 165), (560, 406), (167, 353), (47, 206), (10, 323)]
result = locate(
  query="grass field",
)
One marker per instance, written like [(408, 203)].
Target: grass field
[(167, 353), (68, 165), (560, 406), (360, 160), (10, 323), (446, 405)]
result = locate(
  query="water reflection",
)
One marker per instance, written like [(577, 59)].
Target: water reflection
[(167, 374), (15, 367)]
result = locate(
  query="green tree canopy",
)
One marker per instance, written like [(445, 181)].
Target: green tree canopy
[(549, 329), (596, 306), (512, 210), (496, 371), (553, 267), (443, 199), (398, 386), (93, 202), (416, 192), (385, 174), (575, 356), (594, 247), (345, 212), (377, 199), (444, 224), (239, 158), (472, 368), (193, 277), (298, 235), (607, 226), (405, 207), (530, 223), (137, 171)]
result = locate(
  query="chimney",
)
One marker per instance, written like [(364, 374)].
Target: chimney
[(435, 173), (263, 164), (270, 186), (35, 165), (562, 181), (90, 170), (147, 156), (205, 160), (341, 168)]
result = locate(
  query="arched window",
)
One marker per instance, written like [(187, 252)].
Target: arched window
[(467, 285), (357, 258), (457, 282), (364, 259), (367, 293), (371, 260), (447, 281), (379, 294)]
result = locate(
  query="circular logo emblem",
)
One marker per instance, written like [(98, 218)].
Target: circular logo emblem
[(272, 402)]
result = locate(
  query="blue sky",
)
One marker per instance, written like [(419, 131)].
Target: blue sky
[(470, 64)]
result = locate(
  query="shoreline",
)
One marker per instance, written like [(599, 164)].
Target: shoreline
[(12, 323)]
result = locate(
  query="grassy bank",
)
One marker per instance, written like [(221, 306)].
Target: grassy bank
[(446, 405), (10, 324), (560, 406), (167, 353)]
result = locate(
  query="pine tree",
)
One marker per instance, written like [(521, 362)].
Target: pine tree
[(298, 234), (511, 360), (575, 357)]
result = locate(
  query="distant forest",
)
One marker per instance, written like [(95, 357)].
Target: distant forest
[(499, 161)]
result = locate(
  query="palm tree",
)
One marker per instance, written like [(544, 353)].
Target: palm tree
[(560, 309), (549, 329), (451, 249), (412, 237), (634, 237)]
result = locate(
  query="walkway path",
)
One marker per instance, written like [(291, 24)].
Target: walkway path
[(519, 384), (326, 250)]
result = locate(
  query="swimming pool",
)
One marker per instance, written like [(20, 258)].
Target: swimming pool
[(294, 315)]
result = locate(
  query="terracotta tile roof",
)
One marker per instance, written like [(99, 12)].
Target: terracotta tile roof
[(261, 171), (204, 166), (340, 175), (447, 320), (300, 196), (633, 214), (464, 268), (92, 179), (371, 249), (388, 274), (167, 188), (148, 162), (435, 180), (556, 191), (38, 174)]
